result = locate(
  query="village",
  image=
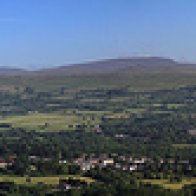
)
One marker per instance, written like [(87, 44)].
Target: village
[(123, 163)]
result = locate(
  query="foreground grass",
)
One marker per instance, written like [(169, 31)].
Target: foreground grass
[(168, 185), (49, 180)]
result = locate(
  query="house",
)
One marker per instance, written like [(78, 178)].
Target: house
[(132, 167), (125, 168), (5, 163), (97, 129), (86, 166), (64, 185), (161, 161), (130, 159), (183, 162), (107, 161), (35, 159), (141, 160), (70, 183), (62, 161), (46, 159), (192, 132), (118, 166), (122, 158), (79, 160), (120, 136), (94, 161), (33, 168)]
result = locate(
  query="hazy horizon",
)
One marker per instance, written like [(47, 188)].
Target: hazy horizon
[(48, 33)]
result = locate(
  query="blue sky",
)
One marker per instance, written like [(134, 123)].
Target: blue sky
[(41, 33)]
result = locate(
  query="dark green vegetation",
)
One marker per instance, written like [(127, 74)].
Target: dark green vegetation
[(146, 120), (138, 111)]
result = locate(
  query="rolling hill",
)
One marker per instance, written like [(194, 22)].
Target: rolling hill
[(107, 66), (141, 73), (9, 71)]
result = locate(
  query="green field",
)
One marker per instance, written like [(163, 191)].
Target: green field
[(136, 110), (182, 146), (47, 122), (50, 180), (168, 185)]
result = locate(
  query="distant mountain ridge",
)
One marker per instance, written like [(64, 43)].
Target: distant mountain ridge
[(107, 66), (96, 67)]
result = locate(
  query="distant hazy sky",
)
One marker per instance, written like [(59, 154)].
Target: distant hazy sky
[(40, 33)]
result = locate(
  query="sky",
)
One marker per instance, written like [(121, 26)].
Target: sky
[(45, 33)]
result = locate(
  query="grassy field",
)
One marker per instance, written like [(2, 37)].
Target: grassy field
[(52, 180), (167, 185), (161, 112), (175, 106), (136, 110), (181, 146), (91, 112), (118, 115), (47, 122)]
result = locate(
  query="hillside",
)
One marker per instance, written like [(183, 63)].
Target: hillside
[(9, 71), (106, 66), (98, 67), (146, 73)]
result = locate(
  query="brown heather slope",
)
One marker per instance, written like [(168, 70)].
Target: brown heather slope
[(106, 66), (146, 73), (9, 71)]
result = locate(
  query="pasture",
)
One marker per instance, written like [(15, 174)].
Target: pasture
[(47, 121), (182, 146), (168, 185), (49, 180)]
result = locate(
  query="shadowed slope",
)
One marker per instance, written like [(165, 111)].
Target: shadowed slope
[(134, 73)]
